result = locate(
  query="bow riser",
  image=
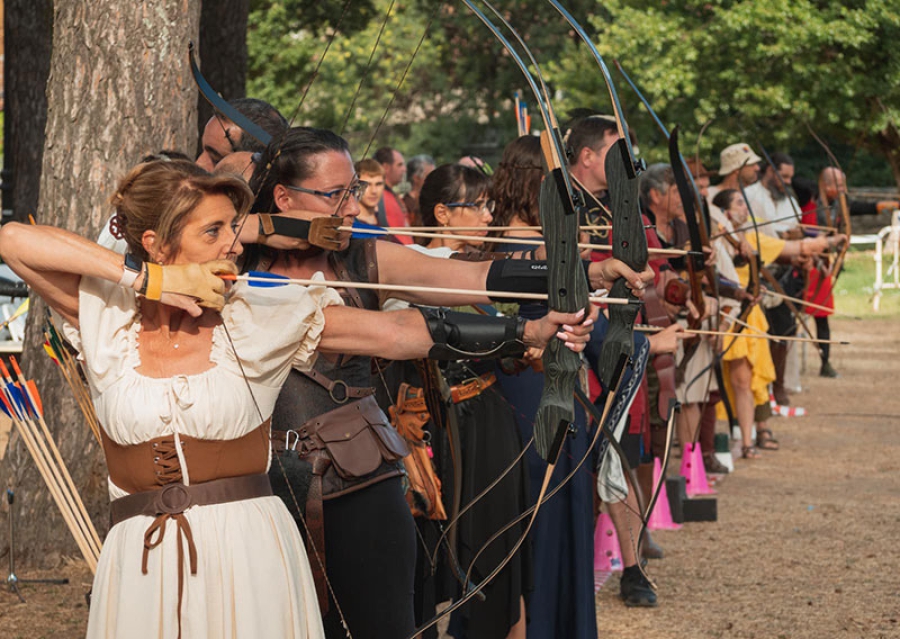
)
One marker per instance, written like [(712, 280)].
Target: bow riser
[(567, 290), (628, 231)]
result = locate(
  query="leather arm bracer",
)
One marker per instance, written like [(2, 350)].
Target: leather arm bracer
[(466, 335), (520, 276)]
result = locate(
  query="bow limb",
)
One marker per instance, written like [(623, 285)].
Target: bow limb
[(674, 407), (844, 211), (691, 202), (554, 447), (629, 240), (222, 106), (698, 227), (566, 283), (836, 268)]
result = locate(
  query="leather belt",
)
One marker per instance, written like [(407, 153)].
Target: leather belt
[(170, 502), (338, 389), (415, 400)]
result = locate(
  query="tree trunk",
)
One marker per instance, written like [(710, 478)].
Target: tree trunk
[(27, 36), (119, 88), (888, 142), (223, 53)]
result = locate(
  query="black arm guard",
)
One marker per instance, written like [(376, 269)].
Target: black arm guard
[(520, 276), (466, 335), (273, 224)]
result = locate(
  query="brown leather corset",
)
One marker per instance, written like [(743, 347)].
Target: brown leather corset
[(154, 463)]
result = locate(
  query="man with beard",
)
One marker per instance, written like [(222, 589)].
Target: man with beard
[(770, 201)]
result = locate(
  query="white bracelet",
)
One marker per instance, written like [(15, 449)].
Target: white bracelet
[(128, 277)]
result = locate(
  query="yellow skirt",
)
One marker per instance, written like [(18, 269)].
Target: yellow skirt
[(754, 350)]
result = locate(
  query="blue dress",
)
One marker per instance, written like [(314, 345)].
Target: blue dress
[(562, 601)]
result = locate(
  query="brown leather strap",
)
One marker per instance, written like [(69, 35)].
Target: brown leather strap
[(414, 401), (171, 501), (176, 498), (315, 524), (340, 269), (266, 227), (339, 390), (472, 387)]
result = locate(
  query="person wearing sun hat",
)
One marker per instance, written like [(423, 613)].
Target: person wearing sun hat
[(738, 161)]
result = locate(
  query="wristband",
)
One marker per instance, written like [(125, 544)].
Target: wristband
[(153, 276), (133, 267)]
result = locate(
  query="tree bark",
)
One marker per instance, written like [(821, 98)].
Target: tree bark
[(223, 53), (119, 88), (27, 36), (888, 142)]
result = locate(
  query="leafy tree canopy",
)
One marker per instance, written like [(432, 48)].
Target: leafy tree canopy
[(760, 70)]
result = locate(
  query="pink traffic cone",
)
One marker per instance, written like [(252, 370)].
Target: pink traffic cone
[(693, 472), (687, 460), (661, 517), (607, 554)]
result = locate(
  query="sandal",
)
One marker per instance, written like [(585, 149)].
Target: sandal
[(765, 440), (749, 452)]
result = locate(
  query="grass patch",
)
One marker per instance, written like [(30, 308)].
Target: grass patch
[(856, 285)]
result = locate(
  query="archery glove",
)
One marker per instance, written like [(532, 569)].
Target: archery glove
[(199, 281)]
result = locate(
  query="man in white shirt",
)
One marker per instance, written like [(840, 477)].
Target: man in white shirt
[(772, 204)]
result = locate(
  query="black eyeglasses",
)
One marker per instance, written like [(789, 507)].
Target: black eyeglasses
[(487, 205), (354, 190)]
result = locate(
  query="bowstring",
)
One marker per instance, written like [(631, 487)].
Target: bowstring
[(431, 18), (296, 502), (315, 74), (365, 74)]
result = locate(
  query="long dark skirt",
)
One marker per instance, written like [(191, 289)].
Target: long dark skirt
[(562, 601), (490, 443)]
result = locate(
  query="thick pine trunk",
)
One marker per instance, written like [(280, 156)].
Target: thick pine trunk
[(119, 88), (28, 33), (889, 146), (223, 52)]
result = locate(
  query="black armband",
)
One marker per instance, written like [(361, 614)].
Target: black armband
[(273, 224), (520, 276), (466, 335)]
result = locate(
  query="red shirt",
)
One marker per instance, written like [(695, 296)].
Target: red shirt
[(395, 214), (819, 289)]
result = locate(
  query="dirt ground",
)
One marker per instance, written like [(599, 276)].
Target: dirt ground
[(803, 547)]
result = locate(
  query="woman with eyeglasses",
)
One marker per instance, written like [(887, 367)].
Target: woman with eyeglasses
[(458, 197), (335, 458)]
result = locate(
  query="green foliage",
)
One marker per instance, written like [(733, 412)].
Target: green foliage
[(760, 69), (455, 99)]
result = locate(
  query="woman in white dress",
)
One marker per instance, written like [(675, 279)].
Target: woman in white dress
[(184, 384)]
